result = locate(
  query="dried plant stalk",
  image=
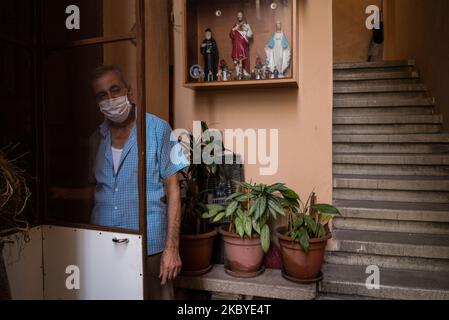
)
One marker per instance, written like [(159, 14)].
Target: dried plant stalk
[(14, 195)]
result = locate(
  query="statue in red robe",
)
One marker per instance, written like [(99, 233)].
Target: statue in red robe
[(241, 34)]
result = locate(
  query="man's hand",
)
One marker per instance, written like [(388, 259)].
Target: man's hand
[(170, 265)]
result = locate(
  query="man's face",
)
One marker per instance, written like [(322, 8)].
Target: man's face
[(240, 16), (208, 35), (109, 86)]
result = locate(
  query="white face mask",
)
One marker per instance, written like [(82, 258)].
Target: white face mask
[(116, 110)]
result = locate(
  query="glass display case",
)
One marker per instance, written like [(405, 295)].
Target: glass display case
[(240, 43)]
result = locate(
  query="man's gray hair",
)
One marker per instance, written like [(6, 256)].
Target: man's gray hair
[(103, 70)]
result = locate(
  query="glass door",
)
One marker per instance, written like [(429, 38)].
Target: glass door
[(93, 132)]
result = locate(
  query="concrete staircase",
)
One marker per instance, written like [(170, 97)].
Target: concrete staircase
[(391, 182)]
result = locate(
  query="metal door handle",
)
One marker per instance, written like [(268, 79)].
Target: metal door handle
[(120, 241)]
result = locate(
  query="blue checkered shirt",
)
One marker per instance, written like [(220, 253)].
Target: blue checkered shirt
[(116, 195)]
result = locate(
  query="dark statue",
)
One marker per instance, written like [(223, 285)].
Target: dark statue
[(209, 50)]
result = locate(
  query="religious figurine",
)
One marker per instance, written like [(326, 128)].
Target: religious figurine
[(224, 70), (259, 68), (220, 75), (268, 73), (209, 50), (278, 51), (241, 34), (276, 73)]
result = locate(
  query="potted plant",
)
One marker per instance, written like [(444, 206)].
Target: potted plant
[(303, 241), (197, 234), (14, 197), (247, 237)]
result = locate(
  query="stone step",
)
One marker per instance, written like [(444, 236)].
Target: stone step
[(392, 170), (377, 82), (411, 183), (340, 297), (406, 148), (389, 262), (394, 284), (380, 95), (391, 226), (390, 244), (368, 86), (374, 74), (393, 159), (374, 111), (270, 285), (394, 139), (382, 88), (392, 195), (382, 102), (377, 64), (388, 129), (392, 120), (394, 211)]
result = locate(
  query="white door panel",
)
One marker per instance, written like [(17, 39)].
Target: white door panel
[(23, 261), (107, 270)]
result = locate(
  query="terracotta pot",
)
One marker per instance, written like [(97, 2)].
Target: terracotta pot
[(243, 255), (296, 262), (196, 252)]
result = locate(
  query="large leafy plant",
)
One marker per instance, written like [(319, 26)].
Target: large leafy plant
[(195, 181), (310, 221), (250, 209)]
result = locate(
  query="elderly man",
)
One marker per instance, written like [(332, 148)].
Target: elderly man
[(114, 179)]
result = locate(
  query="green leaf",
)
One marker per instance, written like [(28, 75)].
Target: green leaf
[(273, 204), (243, 198), (210, 214), (297, 223), (244, 185), (219, 217), (239, 226), (256, 226), (327, 209), (265, 238), (240, 213), (231, 208), (304, 239), (325, 218), (248, 226), (276, 187), (234, 196), (262, 206), (254, 208), (215, 207), (290, 194), (321, 231), (294, 235)]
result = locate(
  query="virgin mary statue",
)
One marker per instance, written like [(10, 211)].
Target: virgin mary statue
[(278, 51)]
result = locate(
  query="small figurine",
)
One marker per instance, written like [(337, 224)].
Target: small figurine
[(276, 73), (259, 68), (241, 34), (268, 73), (220, 75), (278, 51), (209, 50), (224, 70)]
